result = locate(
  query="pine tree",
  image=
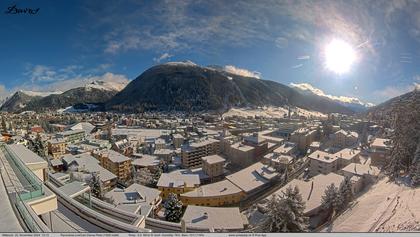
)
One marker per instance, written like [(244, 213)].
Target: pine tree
[(173, 208), (95, 186), (346, 193), (406, 137), (331, 199), (286, 214)]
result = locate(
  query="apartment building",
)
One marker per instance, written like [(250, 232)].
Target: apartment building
[(380, 149), (303, 137), (191, 154), (177, 140), (72, 136), (343, 138), (56, 147), (115, 162), (324, 163), (213, 166)]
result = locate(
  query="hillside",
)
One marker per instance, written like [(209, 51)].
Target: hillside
[(189, 87), (96, 92), (386, 207), (388, 108)]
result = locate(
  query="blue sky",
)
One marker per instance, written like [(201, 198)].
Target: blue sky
[(68, 43)]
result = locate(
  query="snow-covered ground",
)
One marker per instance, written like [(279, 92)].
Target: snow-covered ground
[(271, 112), (386, 207), (107, 85)]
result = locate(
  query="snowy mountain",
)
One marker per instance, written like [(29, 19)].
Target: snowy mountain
[(95, 92), (350, 102)]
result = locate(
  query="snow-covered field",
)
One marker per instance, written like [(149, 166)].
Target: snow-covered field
[(386, 207), (271, 112)]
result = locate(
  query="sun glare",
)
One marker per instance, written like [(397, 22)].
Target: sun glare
[(339, 56)]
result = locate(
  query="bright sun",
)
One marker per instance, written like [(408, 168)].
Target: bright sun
[(339, 56)]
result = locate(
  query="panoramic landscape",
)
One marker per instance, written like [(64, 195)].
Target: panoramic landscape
[(210, 116)]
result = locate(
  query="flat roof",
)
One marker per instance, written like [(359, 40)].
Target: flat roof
[(323, 156), (242, 147), (145, 161), (227, 218), (361, 169), (347, 153), (178, 180), (26, 155), (221, 188), (213, 159), (74, 188), (380, 142), (252, 177)]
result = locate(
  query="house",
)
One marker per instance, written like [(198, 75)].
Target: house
[(364, 173), (115, 162), (56, 147), (343, 138), (321, 162), (145, 161), (213, 166), (136, 198), (72, 136), (86, 164), (177, 183)]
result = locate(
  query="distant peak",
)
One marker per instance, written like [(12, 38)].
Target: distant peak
[(181, 63)]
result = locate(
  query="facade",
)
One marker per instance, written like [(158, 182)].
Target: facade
[(177, 140), (303, 137), (222, 193), (72, 136), (213, 166), (343, 138), (192, 154), (177, 183), (115, 162), (380, 149), (57, 147), (322, 163)]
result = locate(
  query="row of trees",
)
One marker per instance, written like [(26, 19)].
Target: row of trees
[(405, 153), (336, 199), (286, 213)]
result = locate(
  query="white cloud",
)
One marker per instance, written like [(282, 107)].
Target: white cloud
[(319, 92), (297, 66), (79, 81), (242, 72), (162, 57), (304, 57), (40, 73)]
